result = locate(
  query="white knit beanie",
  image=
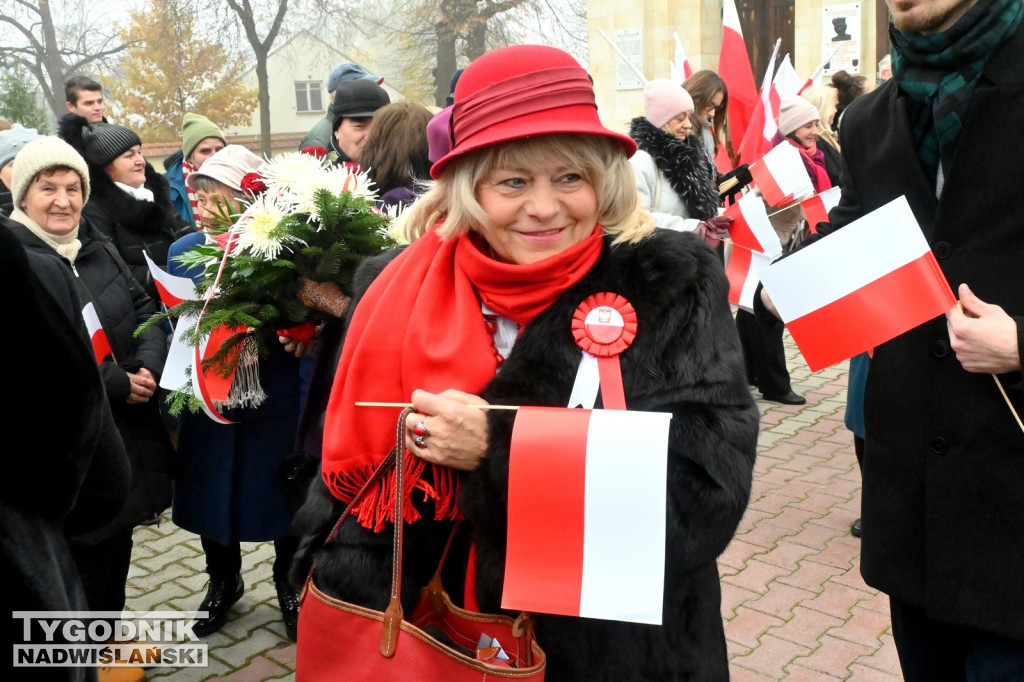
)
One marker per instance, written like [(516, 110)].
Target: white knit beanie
[(228, 166), (664, 100), (796, 112), (40, 154)]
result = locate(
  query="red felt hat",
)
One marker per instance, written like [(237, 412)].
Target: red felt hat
[(523, 91)]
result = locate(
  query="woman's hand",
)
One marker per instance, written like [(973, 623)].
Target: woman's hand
[(325, 296), (456, 434), (143, 385)]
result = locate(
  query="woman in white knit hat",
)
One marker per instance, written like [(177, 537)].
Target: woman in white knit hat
[(228, 487), (675, 182), (50, 186)]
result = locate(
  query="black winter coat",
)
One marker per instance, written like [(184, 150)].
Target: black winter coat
[(136, 226), (122, 305), (685, 360), (943, 500), (74, 475)]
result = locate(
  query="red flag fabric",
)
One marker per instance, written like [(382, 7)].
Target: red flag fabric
[(586, 527), (172, 289), (744, 271), (100, 343), (781, 176), (844, 295), (764, 121), (817, 207), (734, 68), (750, 226)]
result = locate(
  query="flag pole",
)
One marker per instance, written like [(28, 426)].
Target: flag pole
[(403, 405), (631, 65)]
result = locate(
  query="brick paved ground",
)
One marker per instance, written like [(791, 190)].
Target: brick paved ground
[(793, 601)]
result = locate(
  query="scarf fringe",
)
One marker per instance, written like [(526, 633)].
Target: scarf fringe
[(246, 390), (377, 508)]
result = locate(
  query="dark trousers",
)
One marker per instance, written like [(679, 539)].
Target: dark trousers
[(764, 355), (930, 651), (103, 568), (225, 561)]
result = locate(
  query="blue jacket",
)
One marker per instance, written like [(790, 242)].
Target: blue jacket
[(179, 194)]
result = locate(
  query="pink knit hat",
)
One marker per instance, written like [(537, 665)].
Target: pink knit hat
[(796, 112), (664, 100)]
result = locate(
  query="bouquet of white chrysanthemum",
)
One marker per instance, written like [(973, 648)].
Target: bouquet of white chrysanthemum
[(307, 220)]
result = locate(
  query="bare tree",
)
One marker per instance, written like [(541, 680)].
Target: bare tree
[(53, 51), (249, 19)]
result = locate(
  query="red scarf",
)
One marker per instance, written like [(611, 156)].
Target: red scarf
[(419, 325), (814, 162)]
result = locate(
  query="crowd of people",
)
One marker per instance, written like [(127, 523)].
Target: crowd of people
[(518, 205)]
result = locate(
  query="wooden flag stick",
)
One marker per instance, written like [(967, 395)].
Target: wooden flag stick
[(728, 185), (403, 405), (630, 64)]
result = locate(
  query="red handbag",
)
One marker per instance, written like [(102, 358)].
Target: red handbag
[(438, 642)]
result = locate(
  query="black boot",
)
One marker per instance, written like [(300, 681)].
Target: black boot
[(288, 598), (221, 595)]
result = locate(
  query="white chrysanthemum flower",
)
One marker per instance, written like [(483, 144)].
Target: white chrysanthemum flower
[(335, 180), (260, 232), (290, 173)]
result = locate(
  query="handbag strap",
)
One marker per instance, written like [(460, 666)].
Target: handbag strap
[(393, 613)]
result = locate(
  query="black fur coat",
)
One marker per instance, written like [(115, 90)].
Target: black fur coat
[(135, 226), (683, 165), (685, 360)]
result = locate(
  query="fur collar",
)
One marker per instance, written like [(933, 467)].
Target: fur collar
[(683, 165), (110, 204)]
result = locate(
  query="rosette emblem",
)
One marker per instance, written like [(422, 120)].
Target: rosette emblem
[(604, 324)]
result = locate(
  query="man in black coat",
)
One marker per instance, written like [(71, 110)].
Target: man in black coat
[(943, 497)]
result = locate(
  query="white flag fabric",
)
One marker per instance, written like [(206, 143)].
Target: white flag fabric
[(859, 287), (586, 528)]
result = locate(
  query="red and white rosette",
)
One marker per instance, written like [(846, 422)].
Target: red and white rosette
[(604, 325)]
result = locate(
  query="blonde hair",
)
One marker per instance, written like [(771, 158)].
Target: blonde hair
[(452, 197), (825, 99)]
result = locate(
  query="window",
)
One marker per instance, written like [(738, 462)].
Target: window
[(308, 96)]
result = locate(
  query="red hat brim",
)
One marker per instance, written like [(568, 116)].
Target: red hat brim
[(576, 119)]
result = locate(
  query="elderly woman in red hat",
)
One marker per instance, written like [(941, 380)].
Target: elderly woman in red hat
[(534, 210)]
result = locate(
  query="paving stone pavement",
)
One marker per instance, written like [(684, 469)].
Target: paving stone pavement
[(794, 604)]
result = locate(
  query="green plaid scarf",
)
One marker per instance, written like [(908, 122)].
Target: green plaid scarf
[(939, 73)]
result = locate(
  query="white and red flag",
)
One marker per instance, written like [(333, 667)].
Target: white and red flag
[(734, 68), (856, 289), (750, 226), (744, 271), (172, 289), (781, 177), (586, 513), (815, 78), (786, 82), (100, 343), (764, 121), (817, 207), (680, 68)]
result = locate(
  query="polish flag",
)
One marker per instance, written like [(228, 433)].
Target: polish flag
[(843, 295), (764, 121), (172, 289), (750, 226), (586, 524), (100, 343), (817, 207), (680, 68), (744, 271), (780, 175), (815, 79), (734, 68), (786, 82)]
